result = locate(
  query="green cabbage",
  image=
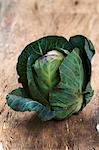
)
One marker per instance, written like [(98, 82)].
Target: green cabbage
[(55, 75)]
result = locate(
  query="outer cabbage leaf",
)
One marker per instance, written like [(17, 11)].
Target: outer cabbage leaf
[(68, 94), (83, 43), (86, 53), (18, 101), (38, 49), (88, 93)]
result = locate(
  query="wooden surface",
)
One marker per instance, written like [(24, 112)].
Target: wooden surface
[(24, 21)]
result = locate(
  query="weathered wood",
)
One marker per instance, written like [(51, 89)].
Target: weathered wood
[(20, 23)]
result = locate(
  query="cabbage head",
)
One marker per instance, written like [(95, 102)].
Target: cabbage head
[(55, 76)]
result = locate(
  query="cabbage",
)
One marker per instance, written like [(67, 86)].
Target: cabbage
[(55, 75)]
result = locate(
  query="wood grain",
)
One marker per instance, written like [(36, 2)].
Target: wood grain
[(20, 23)]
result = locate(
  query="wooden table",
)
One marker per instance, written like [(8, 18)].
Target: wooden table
[(20, 23)]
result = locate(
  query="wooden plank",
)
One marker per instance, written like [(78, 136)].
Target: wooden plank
[(20, 23)]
